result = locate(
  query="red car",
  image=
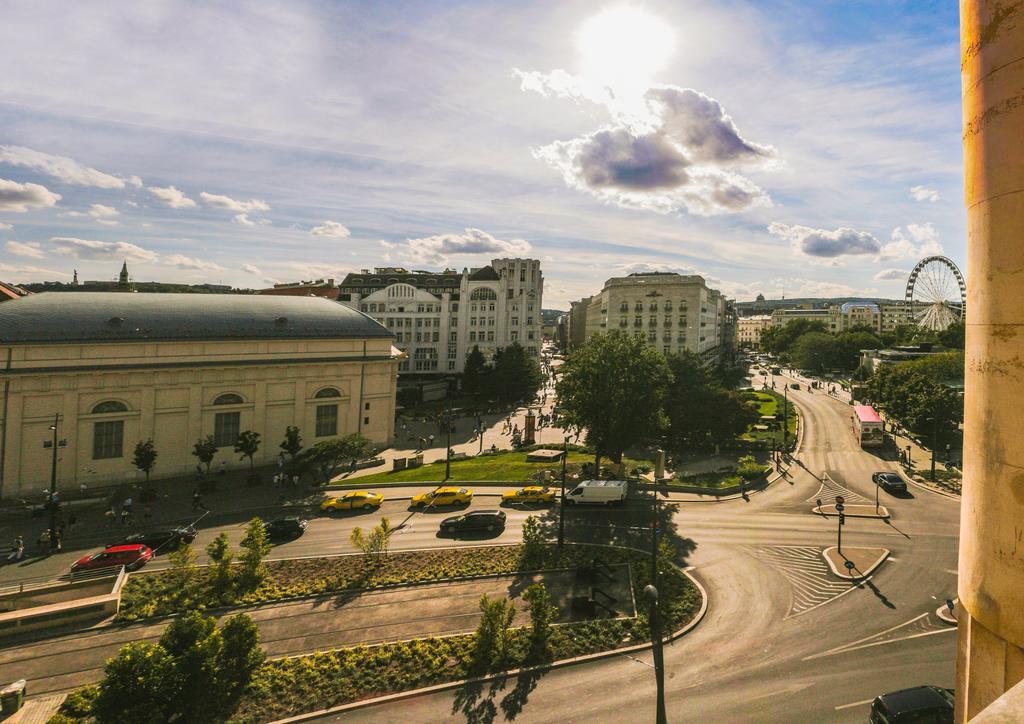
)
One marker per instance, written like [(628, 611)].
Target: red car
[(132, 557)]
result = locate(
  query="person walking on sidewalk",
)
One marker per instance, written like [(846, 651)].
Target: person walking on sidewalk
[(197, 501), (17, 549), (108, 516)]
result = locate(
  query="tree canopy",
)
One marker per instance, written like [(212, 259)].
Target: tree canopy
[(516, 375)]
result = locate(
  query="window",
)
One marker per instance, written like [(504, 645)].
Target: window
[(453, 336), (529, 320), (652, 337), (108, 439), (326, 420), (366, 421), (327, 392), (514, 335), (515, 321), (229, 399), (451, 366), (490, 336), (109, 406), (472, 336), (529, 335), (366, 406), (226, 426)]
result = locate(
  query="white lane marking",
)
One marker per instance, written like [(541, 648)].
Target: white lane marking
[(880, 643), (876, 635), (856, 703)]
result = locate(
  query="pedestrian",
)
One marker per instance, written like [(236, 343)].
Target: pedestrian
[(125, 514), (127, 505), (108, 517), (430, 439), (197, 501), (17, 549), (295, 480), (280, 460), (43, 541)]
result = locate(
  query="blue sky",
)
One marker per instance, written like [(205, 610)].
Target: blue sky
[(805, 147)]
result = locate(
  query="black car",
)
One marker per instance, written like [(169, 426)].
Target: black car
[(488, 520), (286, 528), (918, 704), (892, 482), (161, 541)]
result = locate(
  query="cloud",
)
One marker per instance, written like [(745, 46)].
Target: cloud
[(30, 273), (187, 262), (93, 249), (250, 269), (648, 267), (331, 228), (62, 168), (826, 244), (244, 220), (226, 202), (561, 84), (22, 197), (437, 249), (922, 193), (31, 249), (887, 275), (914, 242), (172, 197), (5, 227)]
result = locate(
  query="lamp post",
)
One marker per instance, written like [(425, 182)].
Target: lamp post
[(561, 503), (651, 593), (448, 445), (785, 419), (52, 503), (934, 441)]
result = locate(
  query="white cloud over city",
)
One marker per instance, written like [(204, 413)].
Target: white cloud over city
[(441, 248), (93, 249), (62, 168), (22, 197), (170, 196)]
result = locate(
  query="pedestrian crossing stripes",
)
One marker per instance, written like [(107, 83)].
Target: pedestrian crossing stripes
[(810, 581), (830, 489)]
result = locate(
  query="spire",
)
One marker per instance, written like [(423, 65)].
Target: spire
[(74, 279), (123, 279)]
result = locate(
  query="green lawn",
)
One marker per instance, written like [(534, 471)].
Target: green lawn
[(709, 480), (511, 466), (771, 403)]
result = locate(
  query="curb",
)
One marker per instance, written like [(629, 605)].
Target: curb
[(930, 489), (943, 613), (832, 513), (864, 574), (404, 695)]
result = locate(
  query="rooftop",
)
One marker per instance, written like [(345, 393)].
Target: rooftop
[(113, 317)]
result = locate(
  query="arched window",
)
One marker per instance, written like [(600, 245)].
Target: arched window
[(228, 399), (483, 293), (109, 406), (327, 392)]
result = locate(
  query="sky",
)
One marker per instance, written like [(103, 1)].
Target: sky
[(775, 147)]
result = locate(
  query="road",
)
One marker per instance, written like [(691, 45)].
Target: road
[(783, 640)]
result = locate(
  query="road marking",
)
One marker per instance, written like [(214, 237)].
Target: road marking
[(811, 584), (868, 642), (830, 488), (856, 703)]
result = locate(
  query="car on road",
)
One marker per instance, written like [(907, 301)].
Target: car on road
[(487, 520), (448, 495), (917, 704), (601, 492), (286, 528), (529, 494), (132, 557), (891, 482), (354, 500), (161, 541)]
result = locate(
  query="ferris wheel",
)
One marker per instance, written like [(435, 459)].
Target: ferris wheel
[(936, 293)]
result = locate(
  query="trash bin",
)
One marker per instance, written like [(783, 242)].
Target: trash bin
[(12, 697)]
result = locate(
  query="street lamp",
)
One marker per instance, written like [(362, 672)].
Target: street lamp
[(785, 419), (52, 502), (935, 442), (561, 505), (448, 446), (651, 594)]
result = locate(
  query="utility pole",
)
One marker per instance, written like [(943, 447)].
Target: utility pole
[(651, 592), (785, 419), (561, 503), (448, 446), (51, 503), (935, 442)]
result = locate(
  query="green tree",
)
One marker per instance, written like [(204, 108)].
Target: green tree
[(542, 613), (953, 336), (139, 685), (613, 387), (183, 569), (490, 650), (698, 409), (849, 345), (194, 644), (328, 456), (255, 547), (815, 351), (374, 544), (239, 658), (144, 457), (221, 574), (534, 542), (780, 340), (292, 443), (474, 371), (248, 444), (516, 375), (205, 449)]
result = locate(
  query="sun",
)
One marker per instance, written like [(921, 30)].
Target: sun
[(623, 46)]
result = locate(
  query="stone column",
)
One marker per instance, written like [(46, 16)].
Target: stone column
[(990, 646)]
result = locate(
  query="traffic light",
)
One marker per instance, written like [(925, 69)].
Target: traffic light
[(842, 519)]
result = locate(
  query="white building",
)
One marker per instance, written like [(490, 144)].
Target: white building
[(672, 312), (748, 329), (438, 317)]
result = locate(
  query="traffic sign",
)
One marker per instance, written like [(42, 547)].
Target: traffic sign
[(849, 565), (842, 519), (840, 500), (840, 507)]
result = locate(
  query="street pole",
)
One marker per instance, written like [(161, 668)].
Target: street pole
[(839, 528), (655, 617), (561, 504), (448, 447), (877, 486), (785, 420), (935, 442), (53, 485)]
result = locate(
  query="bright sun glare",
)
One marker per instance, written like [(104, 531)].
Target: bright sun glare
[(623, 46)]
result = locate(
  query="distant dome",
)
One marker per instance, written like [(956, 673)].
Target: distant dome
[(760, 298)]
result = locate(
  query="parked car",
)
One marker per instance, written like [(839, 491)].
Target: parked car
[(795, 386), (488, 520), (161, 541), (529, 494), (890, 482), (917, 704), (449, 495), (354, 500), (602, 492), (286, 528), (132, 557)]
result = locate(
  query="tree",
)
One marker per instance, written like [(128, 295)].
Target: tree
[(542, 612), (613, 387), (815, 351), (698, 409), (205, 449), (474, 371), (373, 545), (221, 578), (194, 644), (255, 546), (329, 455), (516, 375), (954, 336), (239, 658), (183, 569), (849, 345), (534, 542), (492, 634), (780, 340), (138, 686), (144, 457), (292, 443), (248, 444)]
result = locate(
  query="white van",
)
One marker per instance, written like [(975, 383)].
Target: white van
[(601, 492)]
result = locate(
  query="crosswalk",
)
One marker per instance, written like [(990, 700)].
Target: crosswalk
[(810, 580), (830, 489)]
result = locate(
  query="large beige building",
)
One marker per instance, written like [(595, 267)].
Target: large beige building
[(672, 312), (121, 368), (841, 317), (748, 329)]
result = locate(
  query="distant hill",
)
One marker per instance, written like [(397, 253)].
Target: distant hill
[(811, 302), (164, 287), (550, 316)]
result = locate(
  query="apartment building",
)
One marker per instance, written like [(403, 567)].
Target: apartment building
[(748, 330), (839, 318)]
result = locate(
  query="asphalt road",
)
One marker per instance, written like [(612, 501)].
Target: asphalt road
[(783, 640)]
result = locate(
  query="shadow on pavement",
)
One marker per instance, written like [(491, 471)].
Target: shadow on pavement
[(475, 700)]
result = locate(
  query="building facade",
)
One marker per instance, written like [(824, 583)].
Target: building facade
[(671, 312), (748, 330), (116, 369), (438, 317), (318, 288), (841, 317)]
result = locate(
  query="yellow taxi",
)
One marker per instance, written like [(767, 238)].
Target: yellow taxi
[(354, 500), (529, 494), (443, 496)]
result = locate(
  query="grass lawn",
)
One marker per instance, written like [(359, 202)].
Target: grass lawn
[(511, 466), (709, 480), (770, 402)]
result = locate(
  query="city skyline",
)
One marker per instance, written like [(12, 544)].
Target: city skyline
[(313, 139)]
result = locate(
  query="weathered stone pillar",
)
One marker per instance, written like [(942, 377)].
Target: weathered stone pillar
[(990, 647)]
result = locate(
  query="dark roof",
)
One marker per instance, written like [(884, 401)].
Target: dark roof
[(117, 317), (485, 274), (913, 699)]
